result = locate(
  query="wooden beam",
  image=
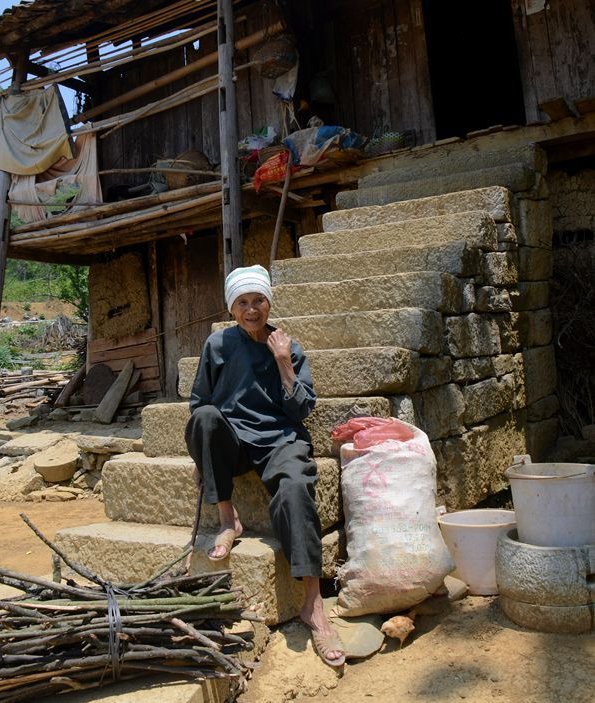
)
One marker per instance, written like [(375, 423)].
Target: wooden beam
[(556, 109), (73, 83), (228, 136), (4, 225)]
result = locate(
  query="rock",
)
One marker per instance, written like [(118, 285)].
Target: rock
[(58, 463), (19, 479), (20, 422), (94, 444), (59, 415), (27, 444), (57, 496)]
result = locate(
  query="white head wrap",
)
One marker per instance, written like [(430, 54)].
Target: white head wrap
[(249, 279)]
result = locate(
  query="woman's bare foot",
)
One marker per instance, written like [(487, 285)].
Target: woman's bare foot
[(231, 529), (324, 636)]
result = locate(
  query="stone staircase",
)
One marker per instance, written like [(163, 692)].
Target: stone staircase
[(433, 310)]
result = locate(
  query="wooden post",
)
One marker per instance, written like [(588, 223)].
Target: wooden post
[(4, 226), (228, 136)]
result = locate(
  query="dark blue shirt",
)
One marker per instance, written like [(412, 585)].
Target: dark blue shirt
[(240, 377)]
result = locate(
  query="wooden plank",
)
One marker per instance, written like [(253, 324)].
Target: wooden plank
[(392, 67), (556, 109), (409, 98), (141, 361), (427, 127), (106, 410), (572, 43), (127, 341), (519, 18), (148, 386), (543, 68), (141, 349)]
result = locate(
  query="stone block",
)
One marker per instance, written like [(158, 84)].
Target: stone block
[(334, 552), (569, 619), (500, 268), (130, 552), (488, 398), (516, 176), (471, 335), (540, 372), (363, 371), (408, 328), (508, 327), (468, 296), (164, 424), (98, 444), (541, 438), (457, 258), (495, 201), (477, 228), (332, 411), (531, 296), (543, 408), (187, 368), (440, 411), (506, 233), (434, 372), (471, 467), (491, 299), (536, 327), (19, 479), (535, 264), (58, 462), (347, 372), (478, 368), (535, 224), (430, 290), (402, 407), (27, 444)]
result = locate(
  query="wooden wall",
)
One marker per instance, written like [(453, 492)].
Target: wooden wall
[(556, 44)]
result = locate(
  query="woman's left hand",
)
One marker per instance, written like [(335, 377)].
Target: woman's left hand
[(280, 345)]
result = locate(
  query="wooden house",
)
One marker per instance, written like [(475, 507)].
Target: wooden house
[(155, 81)]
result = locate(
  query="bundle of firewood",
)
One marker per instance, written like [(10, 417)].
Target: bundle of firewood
[(62, 636)]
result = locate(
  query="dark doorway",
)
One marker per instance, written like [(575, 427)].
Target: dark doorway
[(474, 67)]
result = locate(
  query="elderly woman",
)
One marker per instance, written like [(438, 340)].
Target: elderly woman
[(252, 392)]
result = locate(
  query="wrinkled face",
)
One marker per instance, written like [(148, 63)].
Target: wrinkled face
[(251, 312)]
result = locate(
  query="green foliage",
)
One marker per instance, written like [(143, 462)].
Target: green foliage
[(6, 361), (30, 281)]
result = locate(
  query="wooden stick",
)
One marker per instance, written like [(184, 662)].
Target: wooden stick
[(165, 169), (70, 388), (282, 203)]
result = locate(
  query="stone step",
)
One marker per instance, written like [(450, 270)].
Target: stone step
[(430, 290), (164, 423), (343, 372), (496, 201), (162, 490), (410, 328), (516, 177), (457, 258), (127, 552), (436, 163), (475, 227)]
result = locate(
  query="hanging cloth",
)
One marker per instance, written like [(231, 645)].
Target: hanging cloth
[(76, 179), (33, 135)]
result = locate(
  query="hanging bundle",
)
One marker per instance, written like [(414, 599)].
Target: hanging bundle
[(276, 56)]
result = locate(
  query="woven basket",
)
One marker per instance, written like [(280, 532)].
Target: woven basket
[(190, 160)]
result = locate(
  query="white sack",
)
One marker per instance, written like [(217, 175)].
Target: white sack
[(396, 554)]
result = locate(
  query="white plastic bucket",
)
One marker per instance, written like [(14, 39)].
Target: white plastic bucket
[(554, 503), (471, 537)]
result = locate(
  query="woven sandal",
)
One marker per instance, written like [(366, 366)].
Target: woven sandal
[(323, 644), (224, 539)]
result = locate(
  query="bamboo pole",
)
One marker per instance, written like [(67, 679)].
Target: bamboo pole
[(228, 137), (189, 171), (133, 204), (208, 60)]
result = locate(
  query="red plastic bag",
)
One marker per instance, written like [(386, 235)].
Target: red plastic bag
[(393, 429), (346, 431), (272, 170)]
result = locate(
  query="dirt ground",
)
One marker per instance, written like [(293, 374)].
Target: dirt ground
[(463, 650)]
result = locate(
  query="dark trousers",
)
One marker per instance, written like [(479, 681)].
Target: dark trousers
[(287, 471)]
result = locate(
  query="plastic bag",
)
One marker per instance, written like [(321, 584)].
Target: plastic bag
[(272, 170), (367, 431), (396, 554)]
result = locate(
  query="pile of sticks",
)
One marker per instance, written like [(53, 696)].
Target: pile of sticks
[(17, 385), (58, 637)]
